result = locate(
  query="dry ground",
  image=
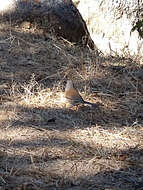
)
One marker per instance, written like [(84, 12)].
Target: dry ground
[(48, 146)]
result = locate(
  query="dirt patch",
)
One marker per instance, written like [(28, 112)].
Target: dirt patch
[(46, 145)]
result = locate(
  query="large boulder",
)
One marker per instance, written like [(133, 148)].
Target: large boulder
[(111, 24), (59, 16)]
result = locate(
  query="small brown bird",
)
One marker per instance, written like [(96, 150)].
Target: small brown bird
[(73, 96)]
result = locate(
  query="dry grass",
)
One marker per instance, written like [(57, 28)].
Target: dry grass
[(46, 145)]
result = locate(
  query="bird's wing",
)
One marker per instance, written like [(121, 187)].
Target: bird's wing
[(73, 94)]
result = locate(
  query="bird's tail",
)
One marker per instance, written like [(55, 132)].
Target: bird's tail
[(91, 104)]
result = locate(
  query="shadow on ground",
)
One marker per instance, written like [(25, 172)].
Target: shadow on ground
[(90, 172)]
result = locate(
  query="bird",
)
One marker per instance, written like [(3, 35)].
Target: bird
[(73, 97)]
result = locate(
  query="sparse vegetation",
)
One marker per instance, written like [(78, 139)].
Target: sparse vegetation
[(44, 144)]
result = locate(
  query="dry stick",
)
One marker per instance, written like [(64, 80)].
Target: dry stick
[(51, 76)]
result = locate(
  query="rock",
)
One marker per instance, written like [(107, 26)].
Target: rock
[(59, 16), (110, 23)]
